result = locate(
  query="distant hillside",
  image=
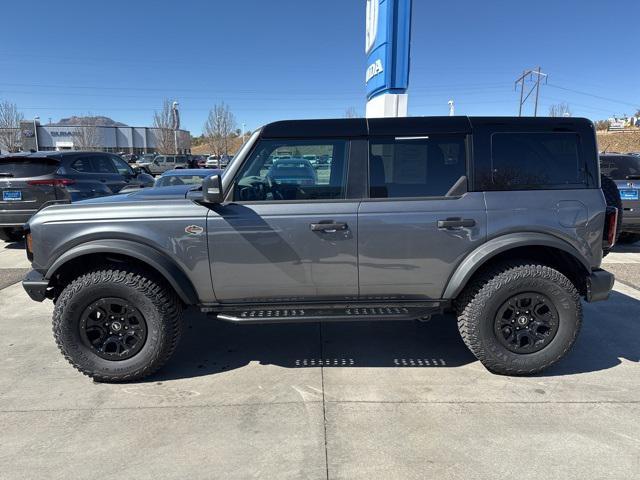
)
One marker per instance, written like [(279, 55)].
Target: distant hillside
[(90, 120), (622, 142)]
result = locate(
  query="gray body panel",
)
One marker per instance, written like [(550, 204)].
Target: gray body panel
[(402, 252), (159, 227), (267, 252)]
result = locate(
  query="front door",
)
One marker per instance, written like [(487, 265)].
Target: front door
[(290, 233), (419, 221)]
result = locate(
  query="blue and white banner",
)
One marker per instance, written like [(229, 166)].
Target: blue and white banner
[(387, 45)]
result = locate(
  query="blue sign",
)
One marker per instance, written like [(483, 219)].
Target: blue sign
[(388, 38)]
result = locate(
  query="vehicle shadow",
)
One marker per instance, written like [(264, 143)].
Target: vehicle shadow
[(609, 334), (211, 346), (627, 248), (14, 245)]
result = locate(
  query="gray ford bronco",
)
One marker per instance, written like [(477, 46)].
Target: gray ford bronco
[(499, 220)]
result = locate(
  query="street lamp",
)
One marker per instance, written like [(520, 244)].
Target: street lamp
[(35, 130)]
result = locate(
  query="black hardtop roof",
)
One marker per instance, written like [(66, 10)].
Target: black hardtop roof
[(407, 126)]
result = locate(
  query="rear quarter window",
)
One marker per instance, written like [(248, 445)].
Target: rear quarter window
[(535, 161), (27, 167)]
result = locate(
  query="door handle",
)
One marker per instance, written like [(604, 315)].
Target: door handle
[(103, 180), (328, 226), (456, 222)]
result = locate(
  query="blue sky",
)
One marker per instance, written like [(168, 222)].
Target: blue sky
[(280, 59)]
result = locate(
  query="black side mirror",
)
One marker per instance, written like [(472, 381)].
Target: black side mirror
[(212, 189)]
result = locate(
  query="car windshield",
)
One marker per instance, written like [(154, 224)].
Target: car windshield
[(620, 167)]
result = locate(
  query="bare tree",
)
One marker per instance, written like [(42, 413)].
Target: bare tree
[(86, 136), (218, 128), (560, 110), (163, 123), (10, 120), (351, 112)]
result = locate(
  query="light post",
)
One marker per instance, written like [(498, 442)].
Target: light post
[(35, 130)]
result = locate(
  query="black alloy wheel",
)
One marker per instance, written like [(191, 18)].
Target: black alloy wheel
[(113, 329), (526, 322)]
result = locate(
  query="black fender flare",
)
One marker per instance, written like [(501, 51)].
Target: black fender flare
[(171, 272), (493, 247)]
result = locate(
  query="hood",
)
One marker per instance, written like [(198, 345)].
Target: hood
[(159, 193)]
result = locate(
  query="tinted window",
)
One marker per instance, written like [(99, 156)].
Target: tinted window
[(620, 167), (122, 166), (277, 170), (27, 167), (422, 167), (83, 165), (535, 161), (103, 164)]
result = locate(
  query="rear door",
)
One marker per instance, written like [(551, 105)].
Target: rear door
[(419, 221), (25, 184), (107, 173)]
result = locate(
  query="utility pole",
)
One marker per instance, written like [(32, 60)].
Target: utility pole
[(528, 75)]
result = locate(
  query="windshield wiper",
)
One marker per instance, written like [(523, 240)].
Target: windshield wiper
[(6, 174)]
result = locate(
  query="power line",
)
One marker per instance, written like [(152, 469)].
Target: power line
[(636, 105)]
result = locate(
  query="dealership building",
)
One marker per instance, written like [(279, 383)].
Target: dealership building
[(34, 136)]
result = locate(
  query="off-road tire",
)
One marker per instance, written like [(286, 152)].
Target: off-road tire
[(11, 234), (478, 305), (612, 197), (628, 238), (157, 302)]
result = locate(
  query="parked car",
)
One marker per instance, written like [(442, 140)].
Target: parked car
[(188, 176), (498, 220), (162, 163), (293, 171), (30, 181), (624, 170)]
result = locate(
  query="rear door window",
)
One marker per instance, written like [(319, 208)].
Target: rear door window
[(429, 166), (620, 167), (103, 164), (536, 160), (27, 167), (83, 165)]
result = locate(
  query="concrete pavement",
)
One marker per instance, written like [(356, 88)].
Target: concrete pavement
[(359, 400)]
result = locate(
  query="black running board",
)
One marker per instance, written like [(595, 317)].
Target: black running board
[(323, 313)]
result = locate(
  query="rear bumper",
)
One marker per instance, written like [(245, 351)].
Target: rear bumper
[(15, 218), (599, 285), (630, 223), (35, 285)]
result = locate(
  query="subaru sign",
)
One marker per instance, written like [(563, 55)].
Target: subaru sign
[(387, 41)]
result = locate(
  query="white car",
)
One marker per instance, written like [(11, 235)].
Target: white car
[(212, 162)]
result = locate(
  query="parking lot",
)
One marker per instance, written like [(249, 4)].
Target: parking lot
[(360, 400)]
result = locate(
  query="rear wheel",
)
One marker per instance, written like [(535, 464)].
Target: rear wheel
[(519, 318), (11, 234), (612, 197), (115, 325)]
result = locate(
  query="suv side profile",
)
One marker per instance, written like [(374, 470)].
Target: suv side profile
[(31, 181), (500, 221), (162, 163)]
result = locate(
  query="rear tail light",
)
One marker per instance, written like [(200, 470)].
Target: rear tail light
[(29, 245), (610, 227), (53, 182)]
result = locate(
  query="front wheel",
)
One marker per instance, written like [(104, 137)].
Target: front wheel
[(519, 318), (115, 325)]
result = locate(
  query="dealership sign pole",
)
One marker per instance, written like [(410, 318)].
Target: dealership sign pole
[(387, 45)]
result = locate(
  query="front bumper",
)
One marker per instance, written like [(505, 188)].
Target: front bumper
[(36, 285), (599, 285)]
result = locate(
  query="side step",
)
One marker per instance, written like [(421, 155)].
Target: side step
[(311, 313)]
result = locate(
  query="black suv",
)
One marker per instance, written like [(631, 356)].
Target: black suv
[(30, 181), (625, 172)]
